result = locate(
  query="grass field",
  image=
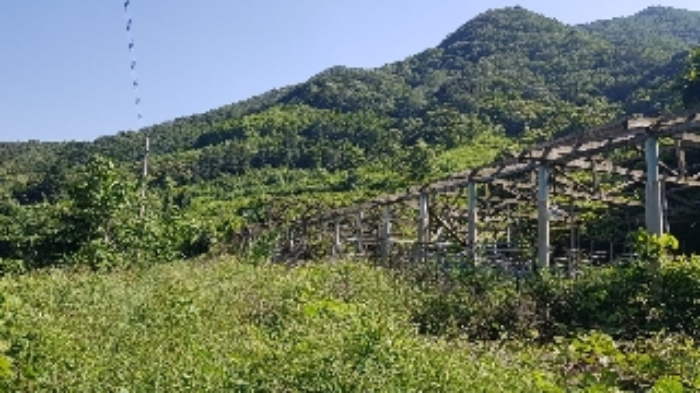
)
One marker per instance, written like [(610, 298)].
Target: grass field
[(232, 326)]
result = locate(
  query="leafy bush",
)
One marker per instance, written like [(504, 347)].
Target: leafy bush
[(676, 296), (233, 326), (480, 304), (103, 224), (634, 300), (653, 249), (596, 362), (623, 301), (340, 327), (616, 300)]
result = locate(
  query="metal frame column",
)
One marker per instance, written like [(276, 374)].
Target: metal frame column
[(653, 201), (290, 240), (473, 217), (423, 226), (359, 244), (336, 239), (386, 232), (543, 217)]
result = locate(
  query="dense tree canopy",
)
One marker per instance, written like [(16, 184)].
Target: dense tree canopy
[(691, 80)]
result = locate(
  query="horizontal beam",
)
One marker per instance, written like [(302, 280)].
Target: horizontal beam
[(566, 151)]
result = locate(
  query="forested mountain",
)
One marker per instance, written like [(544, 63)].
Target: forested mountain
[(508, 67), (505, 78), (667, 30)]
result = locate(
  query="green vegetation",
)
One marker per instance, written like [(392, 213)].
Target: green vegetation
[(667, 29), (346, 327), (97, 224), (87, 301), (691, 80), (505, 79)]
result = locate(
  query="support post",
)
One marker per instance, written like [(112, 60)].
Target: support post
[(290, 239), (336, 239), (680, 156), (359, 245), (423, 226), (305, 239), (572, 241), (386, 233), (509, 220), (144, 186), (596, 179), (664, 208), (542, 218), (473, 217), (652, 204)]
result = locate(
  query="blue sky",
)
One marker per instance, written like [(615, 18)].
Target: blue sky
[(64, 73)]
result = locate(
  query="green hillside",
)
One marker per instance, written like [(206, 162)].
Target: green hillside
[(667, 29), (507, 78)]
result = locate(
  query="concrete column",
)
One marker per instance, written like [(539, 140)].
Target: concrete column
[(423, 226), (305, 240), (509, 220), (664, 208), (336, 239), (473, 217), (290, 239), (542, 218), (572, 241), (680, 156), (359, 246), (386, 232), (653, 202)]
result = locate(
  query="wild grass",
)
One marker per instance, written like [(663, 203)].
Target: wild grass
[(233, 326)]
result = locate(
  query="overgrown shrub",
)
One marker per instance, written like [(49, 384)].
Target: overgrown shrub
[(622, 301), (320, 327), (104, 223), (634, 300), (239, 327), (616, 300), (481, 304), (596, 362)]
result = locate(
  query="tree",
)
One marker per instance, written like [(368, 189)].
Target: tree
[(420, 161), (691, 80), (91, 218)]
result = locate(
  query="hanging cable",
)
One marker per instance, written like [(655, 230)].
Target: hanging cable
[(137, 99), (132, 54)]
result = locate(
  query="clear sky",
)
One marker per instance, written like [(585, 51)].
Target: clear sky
[(64, 73)]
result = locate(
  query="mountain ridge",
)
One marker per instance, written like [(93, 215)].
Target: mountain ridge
[(601, 29), (512, 69), (655, 25)]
